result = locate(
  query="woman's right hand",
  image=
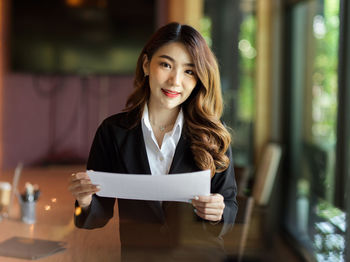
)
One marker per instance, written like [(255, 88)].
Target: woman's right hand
[(82, 188)]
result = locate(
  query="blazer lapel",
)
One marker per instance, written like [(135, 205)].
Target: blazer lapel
[(133, 152), (183, 158), (178, 156)]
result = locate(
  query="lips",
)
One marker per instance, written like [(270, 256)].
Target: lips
[(169, 93)]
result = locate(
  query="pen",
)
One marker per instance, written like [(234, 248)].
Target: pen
[(36, 192), (31, 193)]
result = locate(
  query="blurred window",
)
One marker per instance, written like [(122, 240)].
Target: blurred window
[(229, 27), (312, 216)]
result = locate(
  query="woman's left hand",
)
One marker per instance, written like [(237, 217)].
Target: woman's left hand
[(209, 207)]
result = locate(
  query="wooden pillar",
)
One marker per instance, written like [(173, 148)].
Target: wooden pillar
[(186, 12), (3, 8), (264, 60)]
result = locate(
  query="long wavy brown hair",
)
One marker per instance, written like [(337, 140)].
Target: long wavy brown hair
[(203, 109)]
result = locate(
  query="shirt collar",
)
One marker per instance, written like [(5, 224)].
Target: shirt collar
[(145, 118), (177, 129)]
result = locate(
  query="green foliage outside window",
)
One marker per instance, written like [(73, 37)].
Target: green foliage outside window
[(205, 29), (247, 40), (324, 106)]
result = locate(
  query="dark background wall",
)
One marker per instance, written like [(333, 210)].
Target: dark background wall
[(52, 119)]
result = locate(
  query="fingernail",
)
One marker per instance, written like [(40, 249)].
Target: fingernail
[(73, 174), (195, 210), (98, 186), (196, 197)]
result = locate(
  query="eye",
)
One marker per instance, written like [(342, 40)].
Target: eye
[(165, 65), (190, 72)]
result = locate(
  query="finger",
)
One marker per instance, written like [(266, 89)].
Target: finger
[(83, 195), (79, 175), (212, 199), (209, 199), (88, 188), (76, 182), (80, 184), (208, 217), (210, 211), (218, 205), (84, 189)]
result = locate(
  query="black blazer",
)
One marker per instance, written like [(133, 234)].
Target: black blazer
[(119, 148)]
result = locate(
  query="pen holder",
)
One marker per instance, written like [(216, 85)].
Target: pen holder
[(28, 210)]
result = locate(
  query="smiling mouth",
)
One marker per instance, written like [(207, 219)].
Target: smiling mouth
[(170, 93)]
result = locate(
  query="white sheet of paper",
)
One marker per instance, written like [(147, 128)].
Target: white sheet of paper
[(174, 187)]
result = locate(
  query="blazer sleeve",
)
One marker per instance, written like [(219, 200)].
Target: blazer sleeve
[(224, 183), (100, 159)]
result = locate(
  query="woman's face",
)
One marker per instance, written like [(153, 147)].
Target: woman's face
[(172, 75)]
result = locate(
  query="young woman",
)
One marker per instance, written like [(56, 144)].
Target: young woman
[(171, 124)]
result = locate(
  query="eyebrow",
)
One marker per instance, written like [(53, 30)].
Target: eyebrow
[(173, 60)]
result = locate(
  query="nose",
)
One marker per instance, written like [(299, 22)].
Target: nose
[(175, 78)]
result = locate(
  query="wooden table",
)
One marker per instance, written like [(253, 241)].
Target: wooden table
[(55, 209)]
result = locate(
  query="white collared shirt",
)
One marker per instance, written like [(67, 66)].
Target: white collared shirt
[(160, 159)]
